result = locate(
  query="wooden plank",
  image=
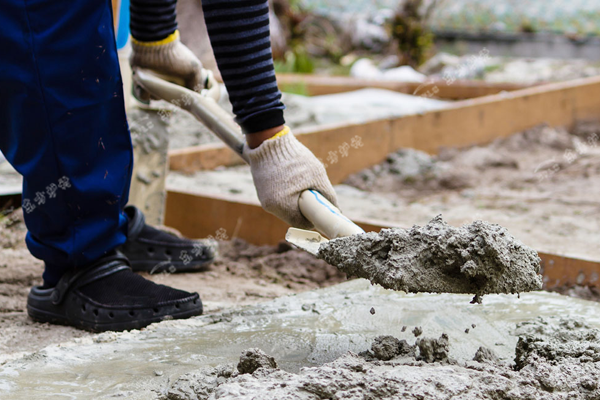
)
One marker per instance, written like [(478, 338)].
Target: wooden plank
[(201, 215), (203, 157), (198, 215), (561, 271), (465, 123), (315, 85)]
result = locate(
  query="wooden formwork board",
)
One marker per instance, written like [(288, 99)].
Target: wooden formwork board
[(561, 271), (203, 157), (200, 216), (464, 123), (316, 85)]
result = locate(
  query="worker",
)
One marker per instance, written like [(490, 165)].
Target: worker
[(63, 127)]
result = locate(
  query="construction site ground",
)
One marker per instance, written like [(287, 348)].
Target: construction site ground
[(540, 184), (243, 274)]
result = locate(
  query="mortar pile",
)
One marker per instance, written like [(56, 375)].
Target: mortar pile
[(478, 258)]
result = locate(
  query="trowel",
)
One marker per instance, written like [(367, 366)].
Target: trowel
[(511, 269), (327, 218)]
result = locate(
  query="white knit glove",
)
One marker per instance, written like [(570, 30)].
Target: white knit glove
[(172, 58), (283, 168)]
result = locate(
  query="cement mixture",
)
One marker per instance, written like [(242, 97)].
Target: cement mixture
[(555, 359), (479, 258), (316, 331)]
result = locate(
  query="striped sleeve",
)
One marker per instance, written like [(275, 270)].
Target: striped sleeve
[(240, 37), (152, 20)]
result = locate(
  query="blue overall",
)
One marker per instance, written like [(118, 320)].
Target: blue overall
[(63, 127)]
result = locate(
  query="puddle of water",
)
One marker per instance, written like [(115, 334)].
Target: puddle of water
[(141, 364)]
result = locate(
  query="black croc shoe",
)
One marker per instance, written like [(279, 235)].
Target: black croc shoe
[(152, 250), (108, 296)]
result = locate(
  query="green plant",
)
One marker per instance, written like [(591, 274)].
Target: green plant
[(309, 37), (492, 68), (410, 33), (295, 88), (527, 26), (295, 60)]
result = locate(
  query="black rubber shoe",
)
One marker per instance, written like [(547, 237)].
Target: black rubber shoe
[(152, 250), (108, 296)]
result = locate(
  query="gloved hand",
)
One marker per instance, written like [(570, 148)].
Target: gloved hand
[(172, 58), (283, 168)]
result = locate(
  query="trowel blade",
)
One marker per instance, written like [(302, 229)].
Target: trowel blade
[(306, 240)]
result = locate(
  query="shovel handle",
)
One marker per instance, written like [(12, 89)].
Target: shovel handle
[(326, 217), (204, 108)]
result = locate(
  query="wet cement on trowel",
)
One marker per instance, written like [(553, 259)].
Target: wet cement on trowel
[(478, 258), (554, 359)]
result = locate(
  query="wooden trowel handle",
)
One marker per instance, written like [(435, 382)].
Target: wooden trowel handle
[(327, 218)]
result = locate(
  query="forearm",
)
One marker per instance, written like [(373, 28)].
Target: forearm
[(240, 37), (152, 20)]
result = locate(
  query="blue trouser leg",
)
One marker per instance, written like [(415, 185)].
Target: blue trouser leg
[(63, 127)]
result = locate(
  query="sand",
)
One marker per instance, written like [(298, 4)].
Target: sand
[(541, 184), (303, 112), (478, 258)]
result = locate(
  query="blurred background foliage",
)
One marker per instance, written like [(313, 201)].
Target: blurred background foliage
[(329, 36)]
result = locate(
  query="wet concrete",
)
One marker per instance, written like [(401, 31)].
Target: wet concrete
[(429, 374), (144, 364), (478, 258)]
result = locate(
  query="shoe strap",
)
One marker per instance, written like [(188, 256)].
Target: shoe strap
[(104, 267), (137, 221)]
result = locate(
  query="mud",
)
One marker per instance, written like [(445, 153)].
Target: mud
[(557, 344), (253, 359), (555, 367), (478, 258), (485, 354), (152, 359), (511, 161), (387, 347), (541, 184), (434, 350)]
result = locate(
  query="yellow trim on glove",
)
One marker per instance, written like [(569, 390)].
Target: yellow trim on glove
[(281, 133), (171, 38)]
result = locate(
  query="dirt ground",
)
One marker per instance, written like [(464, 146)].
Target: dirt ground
[(541, 184), (242, 274)]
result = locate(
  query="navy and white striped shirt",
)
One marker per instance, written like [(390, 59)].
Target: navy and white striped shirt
[(240, 38)]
